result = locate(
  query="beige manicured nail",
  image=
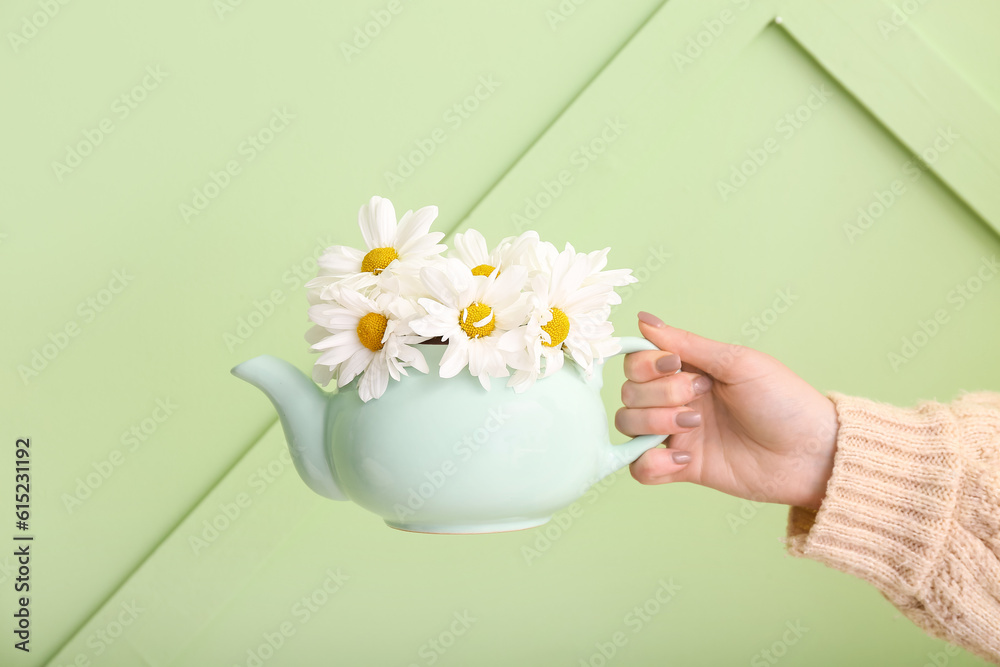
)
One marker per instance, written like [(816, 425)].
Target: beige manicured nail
[(668, 364), (701, 385), (688, 419), (649, 319)]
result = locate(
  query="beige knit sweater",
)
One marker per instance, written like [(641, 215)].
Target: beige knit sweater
[(913, 507)]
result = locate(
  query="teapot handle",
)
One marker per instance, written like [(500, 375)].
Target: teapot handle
[(618, 456), (632, 344)]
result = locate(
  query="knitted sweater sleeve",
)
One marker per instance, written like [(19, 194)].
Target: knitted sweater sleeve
[(913, 507)]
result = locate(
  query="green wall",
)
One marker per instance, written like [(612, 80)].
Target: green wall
[(141, 229)]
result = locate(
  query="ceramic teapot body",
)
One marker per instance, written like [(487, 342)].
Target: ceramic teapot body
[(444, 455)]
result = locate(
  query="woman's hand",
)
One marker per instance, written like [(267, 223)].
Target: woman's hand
[(739, 420)]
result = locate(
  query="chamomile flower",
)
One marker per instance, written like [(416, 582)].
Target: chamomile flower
[(546, 254), (472, 312), (571, 302), (393, 249), (471, 248), (372, 338)]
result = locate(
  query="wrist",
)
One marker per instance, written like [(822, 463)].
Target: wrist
[(817, 456)]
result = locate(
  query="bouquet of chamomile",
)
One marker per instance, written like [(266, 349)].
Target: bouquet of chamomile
[(514, 311)]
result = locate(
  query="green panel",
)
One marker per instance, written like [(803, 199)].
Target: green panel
[(161, 331), (963, 31), (644, 149)]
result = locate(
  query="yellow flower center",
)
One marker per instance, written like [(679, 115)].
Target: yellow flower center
[(371, 328), (557, 328), (378, 259), (476, 313), (483, 270)]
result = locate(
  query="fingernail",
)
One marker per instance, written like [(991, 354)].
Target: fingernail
[(668, 364), (701, 385), (649, 319), (681, 457), (688, 419)]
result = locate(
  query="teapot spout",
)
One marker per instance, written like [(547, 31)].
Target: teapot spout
[(616, 457), (302, 408)]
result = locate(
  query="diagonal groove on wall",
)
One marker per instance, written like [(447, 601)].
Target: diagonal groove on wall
[(905, 146), (970, 180), (107, 599), (786, 29)]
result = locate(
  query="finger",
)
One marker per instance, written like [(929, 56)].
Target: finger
[(661, 466), (661, 421), (713, 356), (671, 391), (650, 364)]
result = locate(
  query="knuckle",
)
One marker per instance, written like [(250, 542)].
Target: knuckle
[(640, 472), (671, 393), (620, 418), (627, 393), (635, 365), (661, 421)]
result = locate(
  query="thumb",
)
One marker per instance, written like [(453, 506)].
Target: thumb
[(715, 358), (661, 466)]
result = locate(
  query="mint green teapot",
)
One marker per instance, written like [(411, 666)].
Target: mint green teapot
[(444, 455)]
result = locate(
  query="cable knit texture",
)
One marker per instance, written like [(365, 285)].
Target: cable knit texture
[(913, 507)]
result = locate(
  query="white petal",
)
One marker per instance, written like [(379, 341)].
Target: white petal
[(340, 260), (506, 288), (394, 367), (322, 374), (385, 224), (339, 339), (439, 319), (521, 381), (553, 361), (455, 358), (615, 277), (471, 248), (513, 315), (366, 221), (315, 334), (587, 299), (512, 340), (375, 380), (476, 358), (413, 226), (340, 354), (418, 361), (580, 351), (355, 364), (338, 321), (439, 285)]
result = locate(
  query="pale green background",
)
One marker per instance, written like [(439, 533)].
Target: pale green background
[(684, 129)]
